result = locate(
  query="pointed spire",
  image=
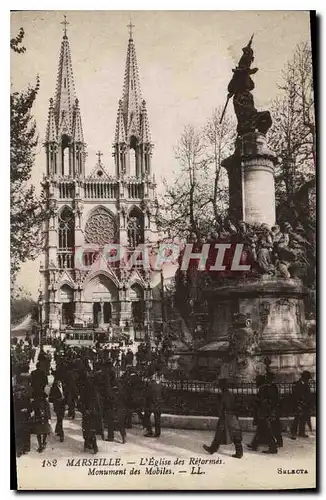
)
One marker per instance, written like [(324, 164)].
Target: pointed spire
[(131, 95), (77, 129), (65, 90), (120, 133), (132, 127), (145, 131), (51, 129)]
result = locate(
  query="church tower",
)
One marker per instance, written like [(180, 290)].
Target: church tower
[(85, 288), (65, 147)]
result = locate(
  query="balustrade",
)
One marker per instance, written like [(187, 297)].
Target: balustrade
[(66, 260)]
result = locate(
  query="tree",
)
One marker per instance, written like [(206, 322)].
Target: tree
[(195, 204), (26, 210), (196, 200), (22, 307), (293, 138), (219, 138), (184, 198), (292, 135)]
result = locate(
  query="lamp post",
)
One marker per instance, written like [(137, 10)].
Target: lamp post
[(148, 304), (40, 304)]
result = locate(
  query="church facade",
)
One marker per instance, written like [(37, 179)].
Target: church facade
[(94, 219)]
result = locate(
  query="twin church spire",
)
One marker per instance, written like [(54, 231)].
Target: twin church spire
[(64, 136)]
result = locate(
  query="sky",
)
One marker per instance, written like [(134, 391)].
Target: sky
[(185, 61)]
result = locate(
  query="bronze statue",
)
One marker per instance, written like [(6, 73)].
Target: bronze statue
[(240, 87)]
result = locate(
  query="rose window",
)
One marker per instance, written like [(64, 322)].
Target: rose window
[(100, 228)]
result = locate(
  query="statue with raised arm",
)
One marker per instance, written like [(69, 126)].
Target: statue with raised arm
[(240, 87)]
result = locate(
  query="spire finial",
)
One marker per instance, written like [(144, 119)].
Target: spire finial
[(65, 24), (99, 154), (130, 26)]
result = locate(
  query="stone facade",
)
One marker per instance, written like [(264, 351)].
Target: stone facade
[(85, 284)]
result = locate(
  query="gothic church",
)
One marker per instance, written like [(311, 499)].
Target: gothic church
[(86, 212)]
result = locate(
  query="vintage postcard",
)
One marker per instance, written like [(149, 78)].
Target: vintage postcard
[(163, 223)]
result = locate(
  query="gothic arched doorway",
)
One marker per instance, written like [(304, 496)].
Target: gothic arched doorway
[(138, 311), (68, 305), (107, 312), (103, 293)]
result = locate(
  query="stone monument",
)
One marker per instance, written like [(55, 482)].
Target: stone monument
[(260, 314)]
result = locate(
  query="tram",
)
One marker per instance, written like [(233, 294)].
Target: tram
[(81, 338)]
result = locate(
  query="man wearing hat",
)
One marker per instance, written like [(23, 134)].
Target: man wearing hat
[(228, 428), (302, 405), (153, 404)]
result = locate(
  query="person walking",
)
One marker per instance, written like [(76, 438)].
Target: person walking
[(41, 419), (71, 390), (268, 400), (57, 397), (89, 425), (39, 379), (134, 388), (92, 422), (119, 411), (275, 408), (22, 410), (153, 404), (264, 416), (228, 428), (302, 405)]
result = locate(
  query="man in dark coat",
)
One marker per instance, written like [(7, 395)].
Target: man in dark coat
[(39, 379), (104, 381), (41, 355), (71, 390), (273, 426), (302, 405), (90, 399), (89, 424), (90, 407), (23, 420), (275, 408), (129, 357), (57, 398), (265, 413), (134, 388), (117, 412), (228, 428), (153, 404)]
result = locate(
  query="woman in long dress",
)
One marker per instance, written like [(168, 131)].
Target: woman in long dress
[(42, 416)]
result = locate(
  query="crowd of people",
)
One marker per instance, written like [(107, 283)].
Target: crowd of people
[(107, 385)]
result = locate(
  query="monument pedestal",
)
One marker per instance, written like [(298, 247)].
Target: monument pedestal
[(275, 329), (251, 180)]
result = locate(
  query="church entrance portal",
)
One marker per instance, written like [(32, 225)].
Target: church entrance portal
[(96, 314), (107, 312), (68, 313), (102, 313)]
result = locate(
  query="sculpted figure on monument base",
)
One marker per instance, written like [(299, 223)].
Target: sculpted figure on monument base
[(242, 344)]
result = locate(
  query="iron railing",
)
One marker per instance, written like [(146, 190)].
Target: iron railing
[(191, 397)]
